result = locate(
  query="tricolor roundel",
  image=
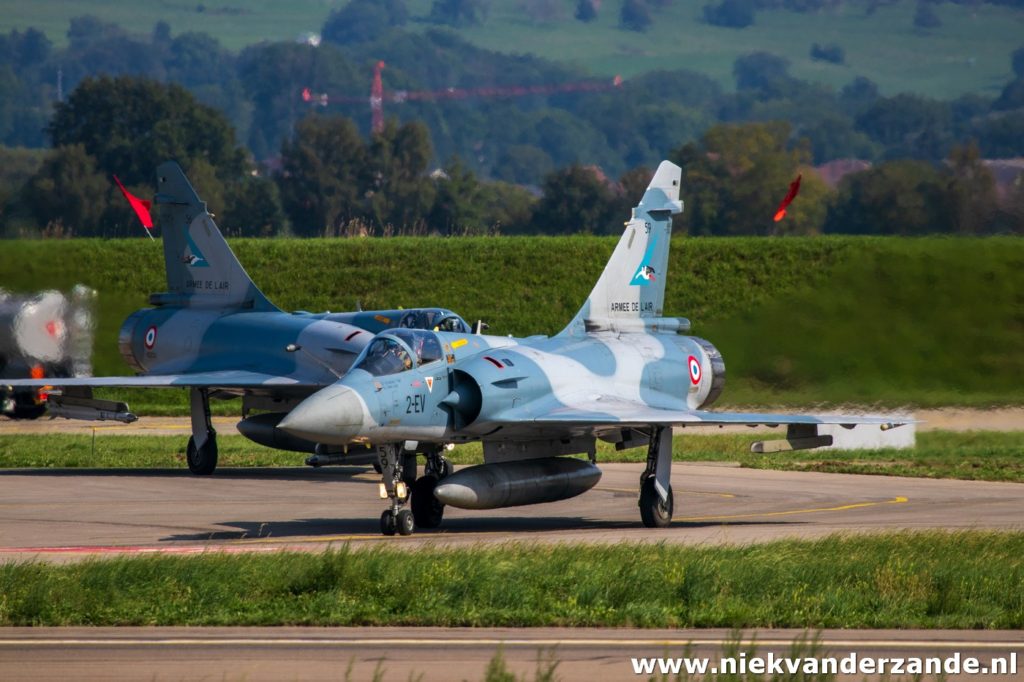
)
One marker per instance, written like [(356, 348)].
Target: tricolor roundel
[(694, 366), (150, 339)]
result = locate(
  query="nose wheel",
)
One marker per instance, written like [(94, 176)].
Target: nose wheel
[(402, 522), (400, 485), (398, 469)]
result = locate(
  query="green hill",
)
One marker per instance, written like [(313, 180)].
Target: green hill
[(895, 321), (969, 52)]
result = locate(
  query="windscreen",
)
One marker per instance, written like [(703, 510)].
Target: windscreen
[(436, 319), (424, 344), (385, 356)]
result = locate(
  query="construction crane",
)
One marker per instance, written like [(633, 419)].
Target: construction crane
[(378, 96)]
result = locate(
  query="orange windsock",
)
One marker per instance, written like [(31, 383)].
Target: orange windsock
[(794, 189), (140, 206)]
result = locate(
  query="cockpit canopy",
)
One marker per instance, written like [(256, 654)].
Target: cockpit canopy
[(438, 319), (400, 350)]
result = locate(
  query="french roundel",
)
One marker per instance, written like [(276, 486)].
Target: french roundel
[(150, 339), (694, 370)]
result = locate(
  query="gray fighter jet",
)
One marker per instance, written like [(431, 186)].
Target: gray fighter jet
[(620, 371), (216, 334)]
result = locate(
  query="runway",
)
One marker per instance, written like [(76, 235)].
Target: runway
[(62, 515), (438, 654)]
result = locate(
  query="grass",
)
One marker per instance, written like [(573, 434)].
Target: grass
[(968, 53), (931, 321), (988, 456), (923, 580)]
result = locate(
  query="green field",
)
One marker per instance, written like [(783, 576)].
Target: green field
[(968, 53), (988, 456), (913, 580), (887, 321)]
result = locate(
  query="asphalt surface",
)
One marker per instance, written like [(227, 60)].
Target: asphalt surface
[(67, 515), (60, 515), (439, 654)]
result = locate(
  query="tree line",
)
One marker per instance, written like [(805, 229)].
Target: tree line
[(332, 180), (259, 90)]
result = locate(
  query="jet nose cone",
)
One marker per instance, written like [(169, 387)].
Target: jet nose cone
[(333, 415)]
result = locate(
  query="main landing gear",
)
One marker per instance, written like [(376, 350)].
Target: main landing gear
[(202, 445), (398, 469), (655, 490)]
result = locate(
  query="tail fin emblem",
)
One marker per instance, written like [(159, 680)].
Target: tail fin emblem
[(193, 256)]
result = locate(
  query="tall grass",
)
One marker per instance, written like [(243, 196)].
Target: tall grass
[(928, 321), (927, 580)]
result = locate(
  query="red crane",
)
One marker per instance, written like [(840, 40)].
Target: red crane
[(378, 96)]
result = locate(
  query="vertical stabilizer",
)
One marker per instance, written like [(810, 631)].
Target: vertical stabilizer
[(632, 285), (202, 271)]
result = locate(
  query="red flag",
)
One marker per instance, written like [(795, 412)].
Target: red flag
[(794, 189), (140, 206)]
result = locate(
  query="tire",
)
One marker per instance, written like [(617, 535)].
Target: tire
[(447, 468), (28, 411), (25, 405), (377, 468), (387, 523), (653, 513), (427, 511), (404, 522), (202, 461)]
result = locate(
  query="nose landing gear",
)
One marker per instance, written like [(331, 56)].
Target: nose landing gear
[(398, 469)]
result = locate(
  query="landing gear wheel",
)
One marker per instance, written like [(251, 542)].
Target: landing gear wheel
[(377, 468), (447, 468), (426, 509), (404, 522), (387, 523), (202, 461), (653, 512), (29, 411)]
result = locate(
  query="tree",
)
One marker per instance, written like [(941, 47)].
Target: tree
[(458, 12), (273, 75), (129, 124), (400, 193), (730, 13), (68, 192), (362, 21), (925, 16), (634, 16), (323, 175), (1017, 61), (254, 209), (900, 197), (522, 163), (457, 208), (970, 191), (909, 126), (828, 53), (585, 11), (763, 72), (575, 199), (736, 177)]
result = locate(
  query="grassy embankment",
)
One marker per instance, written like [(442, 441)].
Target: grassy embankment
[(985, 456), (929, 580), (934, 321), (975, 40)]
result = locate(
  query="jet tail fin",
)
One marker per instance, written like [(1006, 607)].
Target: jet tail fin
[(202, 271), (632, 286)]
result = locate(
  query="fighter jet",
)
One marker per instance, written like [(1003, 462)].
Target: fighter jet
[(214, 333), (619, 371)]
